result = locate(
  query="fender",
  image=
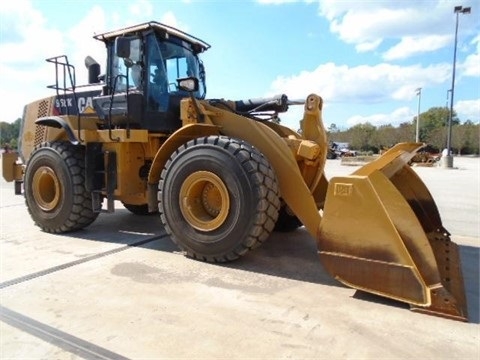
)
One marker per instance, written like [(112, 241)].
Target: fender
[(58, 122), (178, 138)]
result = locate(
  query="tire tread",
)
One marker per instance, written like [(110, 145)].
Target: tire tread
[(262, 175), (81, 214)]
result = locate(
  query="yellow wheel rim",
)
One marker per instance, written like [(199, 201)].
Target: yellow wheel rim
[(46, 188), (204, 201)]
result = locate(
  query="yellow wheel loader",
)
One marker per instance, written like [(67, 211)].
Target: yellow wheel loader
[(223, 175)]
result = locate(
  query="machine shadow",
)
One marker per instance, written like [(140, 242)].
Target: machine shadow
[(290, 255), (123, 227), (470, 259)]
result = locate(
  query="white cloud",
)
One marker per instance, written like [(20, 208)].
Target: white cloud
[(141, 8), (358, 22), (471, 66), (367, 26), (419, 27), (21, 88), (368, 45), (341, 84), (414, 27), (396, 117), (468, 110), (411, 45), (25, 33), (292, 118), (364, 84), (361, 84), (170, 19), (83, 43), (332, 9)]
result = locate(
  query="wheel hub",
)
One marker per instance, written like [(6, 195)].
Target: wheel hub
[(46, 188), (204, 201)]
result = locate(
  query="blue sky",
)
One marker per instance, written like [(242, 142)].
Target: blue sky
[(365, 58)]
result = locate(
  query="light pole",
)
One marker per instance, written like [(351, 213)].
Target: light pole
[(417, 134), (448, 161), (447, 110)]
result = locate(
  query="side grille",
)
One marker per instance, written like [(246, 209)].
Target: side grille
[(43, 108), (40, 131)]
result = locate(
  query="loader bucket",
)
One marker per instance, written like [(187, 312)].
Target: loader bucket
[(381, 233)]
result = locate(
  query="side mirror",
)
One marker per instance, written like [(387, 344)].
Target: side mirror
[(128, 49), (189, 84), (122, 47)]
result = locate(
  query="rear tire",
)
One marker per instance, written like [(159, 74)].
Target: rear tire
[(54, 188), (218, 198)]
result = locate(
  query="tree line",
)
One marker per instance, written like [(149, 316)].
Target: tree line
[(9, 134), (433, 129)]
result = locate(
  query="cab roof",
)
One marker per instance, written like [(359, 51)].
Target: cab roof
[(162, 29)]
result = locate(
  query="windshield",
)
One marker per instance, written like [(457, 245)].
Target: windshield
[(166, 62)]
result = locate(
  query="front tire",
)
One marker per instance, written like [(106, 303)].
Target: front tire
[(54, 188), (218, 198)]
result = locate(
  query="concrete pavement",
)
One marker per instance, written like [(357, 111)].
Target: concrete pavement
[(121, 289)]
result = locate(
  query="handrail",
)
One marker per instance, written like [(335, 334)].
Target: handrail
[(67, 69)]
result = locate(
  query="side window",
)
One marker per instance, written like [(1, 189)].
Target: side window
[(155, 77), (136, 50), (176, 68), (120, 70), (119, 73)]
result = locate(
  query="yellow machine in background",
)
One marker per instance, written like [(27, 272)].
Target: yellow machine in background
[(222, 175)]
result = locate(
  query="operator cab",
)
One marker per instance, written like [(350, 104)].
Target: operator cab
[(144, 63)]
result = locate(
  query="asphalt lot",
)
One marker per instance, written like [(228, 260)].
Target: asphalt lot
[(121, 289)]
